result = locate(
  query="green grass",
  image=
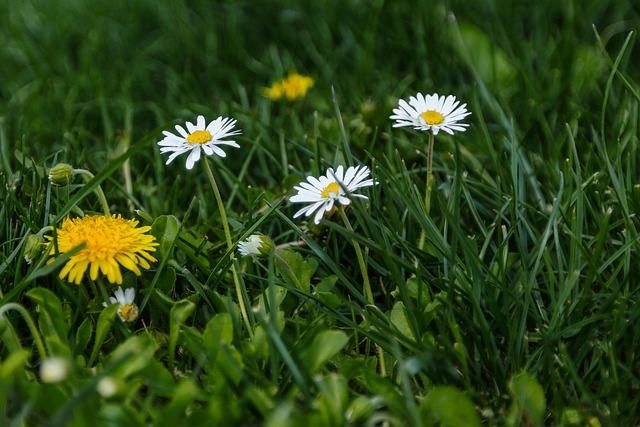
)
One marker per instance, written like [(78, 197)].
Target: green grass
[(521, 309)]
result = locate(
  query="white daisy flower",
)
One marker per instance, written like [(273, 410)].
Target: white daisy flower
[(256, 245), (322, 192), (128, 310), (431, 113), (199, 137)]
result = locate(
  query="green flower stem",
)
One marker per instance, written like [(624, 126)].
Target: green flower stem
[(430, 181), (367, 285), (30, 323), (227, 234), (88, 176), (363, 267)]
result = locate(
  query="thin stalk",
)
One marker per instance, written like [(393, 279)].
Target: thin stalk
[(427, 194), (227, 235), (363, 266), (88, 176), (367, 285), (30, 323)]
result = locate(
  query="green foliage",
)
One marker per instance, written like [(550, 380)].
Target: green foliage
[(521, 308)]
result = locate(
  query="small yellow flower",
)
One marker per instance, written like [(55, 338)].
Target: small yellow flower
[(110, 241), (293, 87)]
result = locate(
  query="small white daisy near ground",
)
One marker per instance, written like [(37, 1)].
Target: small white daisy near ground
[(431, 113), (128, 310), (198, 138), (321, 193), (256, 245)]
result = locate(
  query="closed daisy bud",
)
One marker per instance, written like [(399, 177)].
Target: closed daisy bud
[(33, 247), (61, 174), (257, 245), (109, 387), (54, 370)]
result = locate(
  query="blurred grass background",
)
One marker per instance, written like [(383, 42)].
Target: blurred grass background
[(537, 199)]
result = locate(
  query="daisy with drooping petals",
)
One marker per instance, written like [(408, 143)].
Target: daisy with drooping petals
[(431, 113), (323, 192), (199, 137), (128, 310), (111, 242)]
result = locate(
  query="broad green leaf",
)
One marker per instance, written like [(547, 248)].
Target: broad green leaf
[(282, 416), (165, 230), (83, 336), (324, 291), (183, 397), (293, 269), (9, 336), (180, 311), (261, 338), (157, 378), (138, 351), (324, 346), (13, 365), (360, 409), (117, 414), (280, 295), (166, 280), (218, 330), (490, 62), (333, 397), (190, 339), (229, 364), (448, 407), (398, 317), (105, 321), (529, 400), (51, 321)]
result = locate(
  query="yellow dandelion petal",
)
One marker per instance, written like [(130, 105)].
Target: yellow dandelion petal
[(93, 270), (128, 263), (110, 241)]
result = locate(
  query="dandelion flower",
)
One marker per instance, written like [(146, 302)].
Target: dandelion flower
[(431, 113), (323, 192), (128, 310), (198, 138), (293, 87), (256, 245), (111, 241)]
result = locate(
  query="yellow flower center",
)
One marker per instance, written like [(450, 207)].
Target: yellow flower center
[(128, 312), (331, 188), (199, 137), (432, 117)]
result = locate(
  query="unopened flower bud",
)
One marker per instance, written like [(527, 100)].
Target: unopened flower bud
[(257, 245), (61, 174), (54, 370), (33, 247)]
